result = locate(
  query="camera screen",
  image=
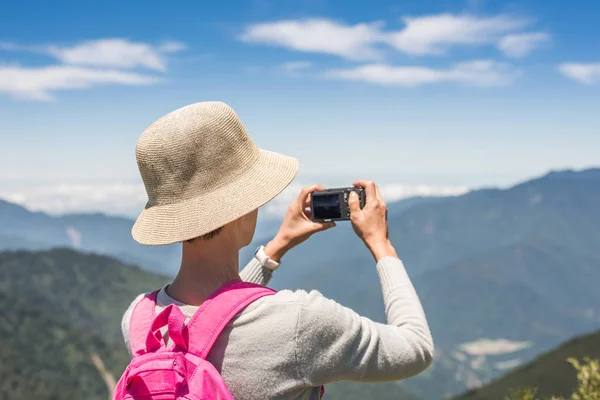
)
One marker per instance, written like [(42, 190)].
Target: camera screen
[(326, 206)]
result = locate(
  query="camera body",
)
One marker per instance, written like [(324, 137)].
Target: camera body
[(332, 204)]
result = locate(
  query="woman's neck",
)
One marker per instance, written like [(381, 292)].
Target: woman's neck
[(204, 268)]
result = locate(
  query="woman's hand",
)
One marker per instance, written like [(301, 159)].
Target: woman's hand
[(297, 225), (370, 223)]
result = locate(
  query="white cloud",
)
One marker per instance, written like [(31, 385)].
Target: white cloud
[(115, 199), (508, 364), (487, 347), (426, 35), (436, 33), (38, 83), (477, 73), (129, 199), (587, 74), (353, 42), (108, 53), (116, 53), (279, 205), (519, 45), (395, 192), (84, 65)]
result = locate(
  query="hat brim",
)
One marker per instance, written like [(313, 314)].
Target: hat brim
[(172, 223)]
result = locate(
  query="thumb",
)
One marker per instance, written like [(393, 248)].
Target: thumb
[(353, 203), (326, 225)]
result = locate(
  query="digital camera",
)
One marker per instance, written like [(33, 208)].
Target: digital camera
[(332, 204)]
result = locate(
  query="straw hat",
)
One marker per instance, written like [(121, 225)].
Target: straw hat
[(201, 170)]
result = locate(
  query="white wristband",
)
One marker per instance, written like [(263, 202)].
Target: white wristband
[(264, 260)]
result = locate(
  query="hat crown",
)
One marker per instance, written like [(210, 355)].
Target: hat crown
[(193, 150)]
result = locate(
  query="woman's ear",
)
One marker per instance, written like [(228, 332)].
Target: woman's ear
[(246, 227)]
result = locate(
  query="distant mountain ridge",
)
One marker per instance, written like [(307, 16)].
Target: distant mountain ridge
[(24, 229), (110, 235), (591, 173)]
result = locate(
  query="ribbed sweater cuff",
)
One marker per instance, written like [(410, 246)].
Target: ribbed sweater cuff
[(256, 273), (392, 274)]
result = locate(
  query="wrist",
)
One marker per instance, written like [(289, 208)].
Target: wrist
[(382, 249), (276, 248)]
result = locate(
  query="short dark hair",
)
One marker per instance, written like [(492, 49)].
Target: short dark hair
[(207, 236)]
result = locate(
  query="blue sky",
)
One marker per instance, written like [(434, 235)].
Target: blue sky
[(424, 97)]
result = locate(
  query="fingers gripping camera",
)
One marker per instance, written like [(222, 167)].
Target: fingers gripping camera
[(332, 204)]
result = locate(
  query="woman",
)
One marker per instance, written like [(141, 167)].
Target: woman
[(205, 181)]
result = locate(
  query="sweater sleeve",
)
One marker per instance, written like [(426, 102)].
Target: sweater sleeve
[(126, 320), (254, 272), (334, 343)]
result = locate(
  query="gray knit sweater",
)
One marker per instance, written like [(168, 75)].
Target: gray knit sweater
[(286, 345)]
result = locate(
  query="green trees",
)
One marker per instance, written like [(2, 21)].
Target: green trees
[(588, 388)]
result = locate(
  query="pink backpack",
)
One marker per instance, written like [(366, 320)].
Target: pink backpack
[(181, 371)]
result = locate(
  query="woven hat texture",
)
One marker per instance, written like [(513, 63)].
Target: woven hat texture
[(201, 170)]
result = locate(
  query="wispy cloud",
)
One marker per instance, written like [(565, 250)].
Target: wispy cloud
[(38, 83), (117, 53), (426, 35), (85, 65), (395, 192), (435, 34), (588, 74), (115, 199), (519, 45), (476, 73), (353, 42), (112, 53)]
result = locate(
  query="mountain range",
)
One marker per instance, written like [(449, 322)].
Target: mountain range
[(503, 274), (65, 344)]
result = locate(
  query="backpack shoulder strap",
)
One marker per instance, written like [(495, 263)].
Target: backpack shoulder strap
[(140, 323), (218, 310)]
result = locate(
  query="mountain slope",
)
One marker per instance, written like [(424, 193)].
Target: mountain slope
[(497, 310), (11, 242), (60, 308), (550, 372), (43, 358), (560, 208), (529, 291), (87, 291)]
